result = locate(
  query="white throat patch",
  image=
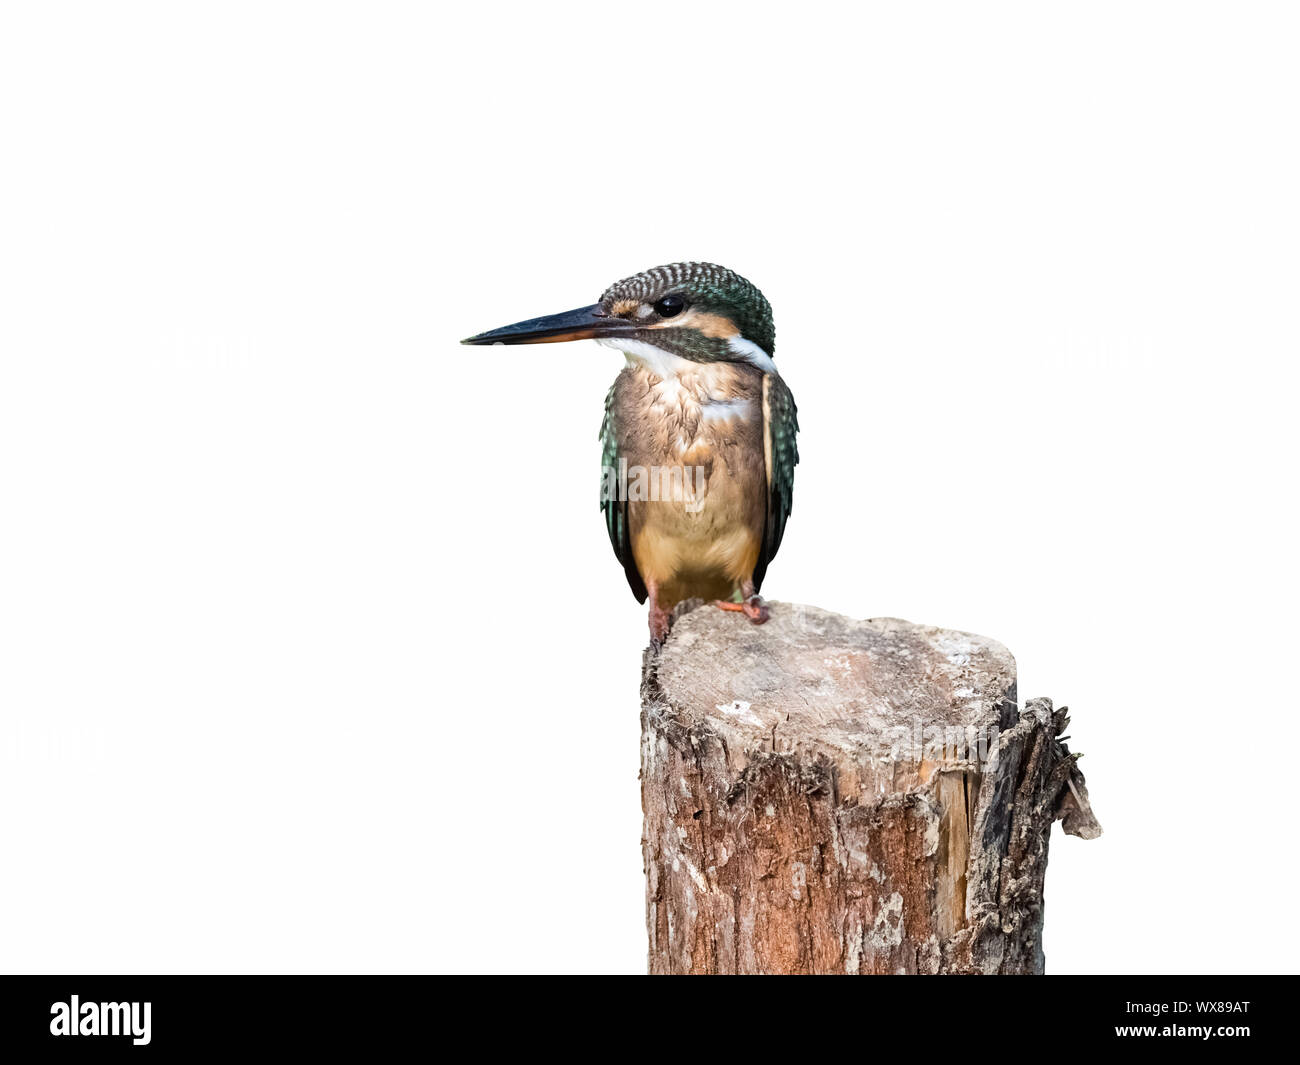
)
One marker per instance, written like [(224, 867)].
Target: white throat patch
[(665, 364), (661, 363)]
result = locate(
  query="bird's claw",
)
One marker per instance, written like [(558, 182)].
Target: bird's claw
[(753, 608)]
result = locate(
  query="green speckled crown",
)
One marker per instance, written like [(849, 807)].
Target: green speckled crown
[(707, 286)]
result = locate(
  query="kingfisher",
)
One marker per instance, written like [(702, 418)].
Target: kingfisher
[(698, 439)]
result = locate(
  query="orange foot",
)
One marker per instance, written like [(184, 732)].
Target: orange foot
[(753, 608)]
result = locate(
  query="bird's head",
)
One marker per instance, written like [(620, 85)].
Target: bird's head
[(700, 312)]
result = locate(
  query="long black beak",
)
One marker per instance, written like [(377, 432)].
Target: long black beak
[(585, 323)]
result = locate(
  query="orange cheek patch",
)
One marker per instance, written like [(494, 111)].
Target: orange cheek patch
[(717, 326)]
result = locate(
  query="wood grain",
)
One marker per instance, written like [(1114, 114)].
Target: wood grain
[(826, 795)]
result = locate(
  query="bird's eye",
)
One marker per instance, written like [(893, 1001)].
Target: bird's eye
[(670, 306)]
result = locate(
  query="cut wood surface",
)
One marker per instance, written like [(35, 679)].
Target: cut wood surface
[(825, 795)]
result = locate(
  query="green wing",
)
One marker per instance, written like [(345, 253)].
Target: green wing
[(780, 427), (615, 509)]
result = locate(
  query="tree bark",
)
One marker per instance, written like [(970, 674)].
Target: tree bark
[(824, 795)]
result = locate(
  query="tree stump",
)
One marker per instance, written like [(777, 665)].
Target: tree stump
[(824, 795)]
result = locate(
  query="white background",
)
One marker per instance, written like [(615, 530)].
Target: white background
[(313, 653)]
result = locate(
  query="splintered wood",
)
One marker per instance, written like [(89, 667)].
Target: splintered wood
[(824, 795)]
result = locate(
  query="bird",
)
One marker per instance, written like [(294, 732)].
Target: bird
[(698, 439)]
